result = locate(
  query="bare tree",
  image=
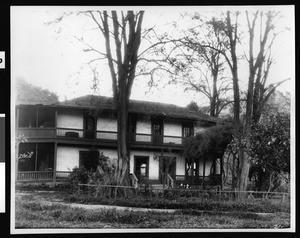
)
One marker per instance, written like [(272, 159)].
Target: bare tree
[(123, 34), (257, 92)]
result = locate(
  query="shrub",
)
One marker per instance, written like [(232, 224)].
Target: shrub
[(79, 175)]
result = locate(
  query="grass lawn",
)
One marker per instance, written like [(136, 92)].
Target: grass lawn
[(48, 210)]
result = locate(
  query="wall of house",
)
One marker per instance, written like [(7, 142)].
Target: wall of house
[(172, 129), (143, 126), (67, 158), (154, 163), (70, 119), (107, 124)]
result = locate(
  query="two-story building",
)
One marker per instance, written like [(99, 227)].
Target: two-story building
[(60, 137)]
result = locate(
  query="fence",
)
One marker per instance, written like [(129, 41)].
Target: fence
[(114, 191)]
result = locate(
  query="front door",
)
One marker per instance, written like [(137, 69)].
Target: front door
[(141, 168), (192, 172)]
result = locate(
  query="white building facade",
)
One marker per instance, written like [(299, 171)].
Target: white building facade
[(61, 136)]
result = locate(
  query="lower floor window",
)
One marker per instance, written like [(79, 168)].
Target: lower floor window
[(36, 157)]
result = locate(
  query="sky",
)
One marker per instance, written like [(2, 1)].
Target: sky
[(50, 57)]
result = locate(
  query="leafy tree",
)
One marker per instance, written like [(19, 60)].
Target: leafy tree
[(193, 106), (270, 143), (270, 151), (212, 143)]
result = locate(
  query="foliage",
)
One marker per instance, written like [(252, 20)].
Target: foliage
[(270, 151), (193, 106), (102, 173), (79, 175), (270, 143), (212, 142)]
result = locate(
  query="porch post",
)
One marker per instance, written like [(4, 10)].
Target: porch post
[(54, 163), (36, 156), (161, 172), (55, 123), (193, 171)]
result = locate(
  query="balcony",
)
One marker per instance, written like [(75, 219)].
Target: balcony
[(105, 136)]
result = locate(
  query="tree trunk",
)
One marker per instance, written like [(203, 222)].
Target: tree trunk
[(242, 180), (123, 156), (213, 102)]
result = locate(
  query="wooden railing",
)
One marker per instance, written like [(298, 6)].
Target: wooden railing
[(70, 132), (42, 176), (110, 136), (86, 134), (37, 132), (113, 136), (155, 139)]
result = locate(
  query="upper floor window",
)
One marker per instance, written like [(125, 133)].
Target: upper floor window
[(36, 117), (89, 126), (157, 131), (187, 130), (27, 117)]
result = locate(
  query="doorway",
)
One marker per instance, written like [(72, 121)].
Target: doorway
[(141, 168)]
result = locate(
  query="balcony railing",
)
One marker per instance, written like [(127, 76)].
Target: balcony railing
[(27, 176), (74, 133), (37, 132), (155, 139)]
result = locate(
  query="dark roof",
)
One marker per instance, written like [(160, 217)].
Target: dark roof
[(136, 106)]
